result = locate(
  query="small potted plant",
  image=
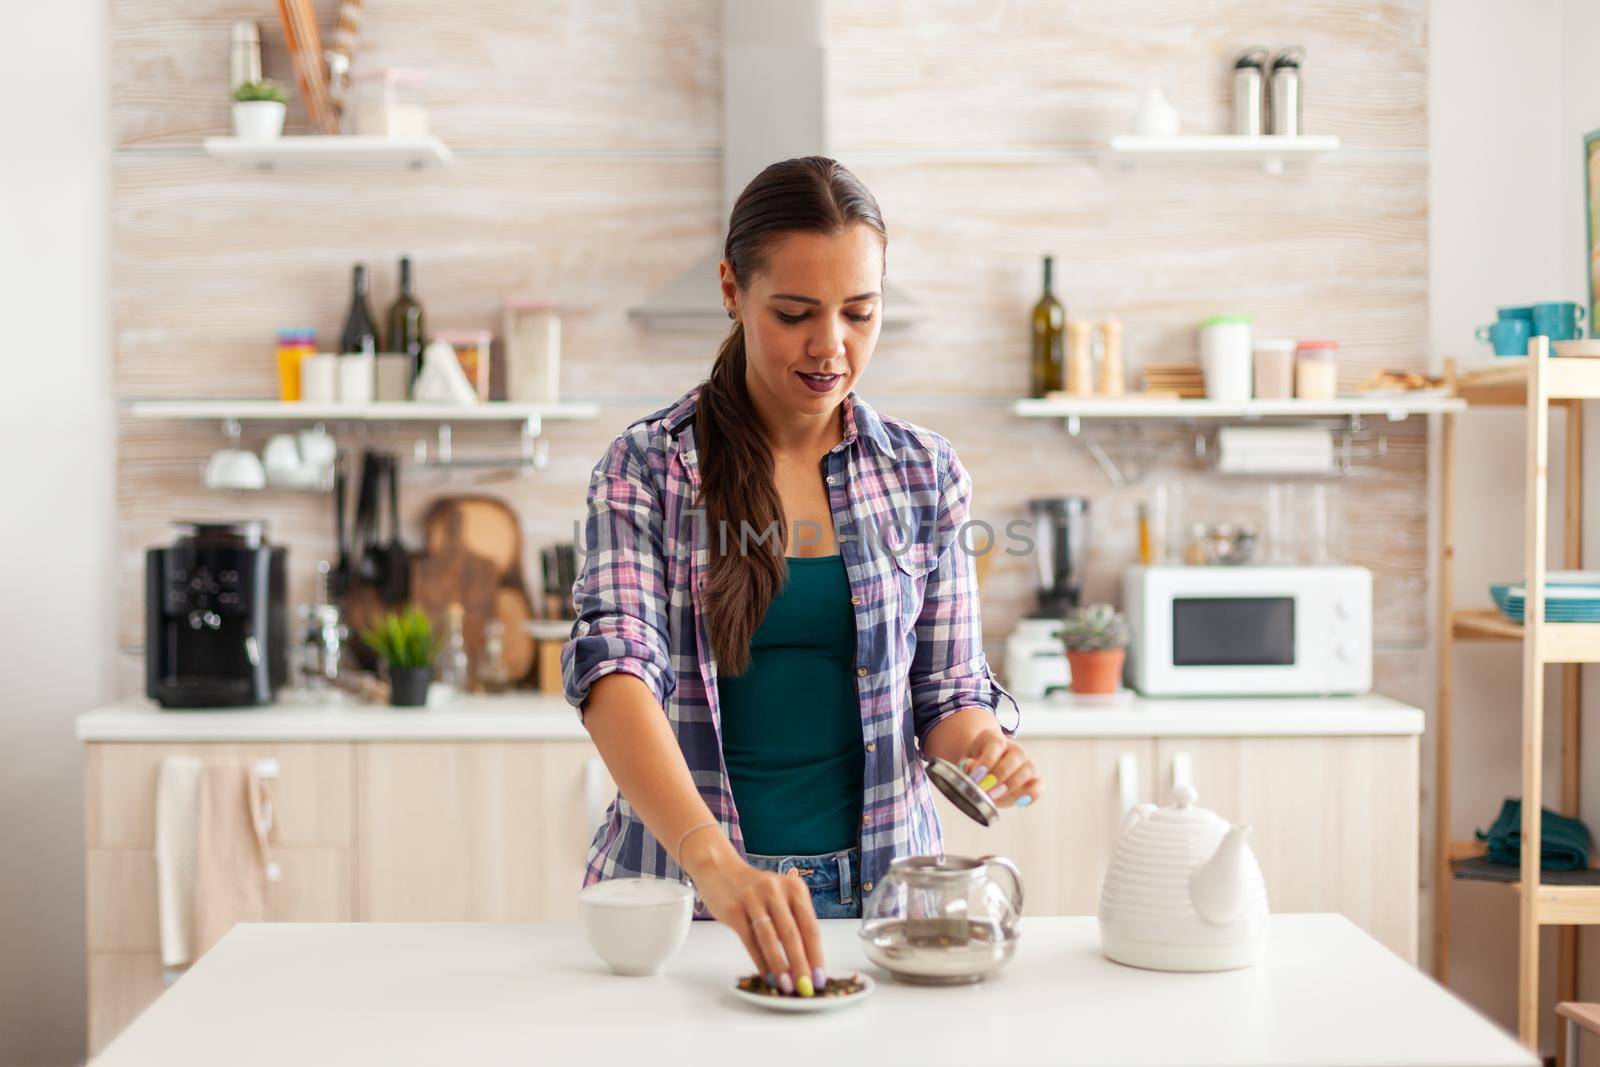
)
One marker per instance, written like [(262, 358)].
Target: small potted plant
[(408, 645), (1096, 637), (258, 110)]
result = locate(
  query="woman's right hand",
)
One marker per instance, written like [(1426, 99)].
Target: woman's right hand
[(772, 915)]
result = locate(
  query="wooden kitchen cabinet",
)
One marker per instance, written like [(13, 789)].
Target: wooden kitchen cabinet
[(1063, 841), (1334, 820), (477, 830), (313, 851)]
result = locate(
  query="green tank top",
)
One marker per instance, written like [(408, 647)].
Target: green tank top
[(791, 724)]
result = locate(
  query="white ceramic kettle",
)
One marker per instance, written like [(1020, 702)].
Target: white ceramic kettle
[(1183, 891)]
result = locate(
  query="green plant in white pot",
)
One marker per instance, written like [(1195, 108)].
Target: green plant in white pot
[(258, 110), (1096, 637)]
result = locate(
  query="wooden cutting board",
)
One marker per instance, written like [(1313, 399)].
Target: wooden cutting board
[(473, 556)]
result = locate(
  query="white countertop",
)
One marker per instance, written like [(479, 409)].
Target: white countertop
[(486, 994), (538, 716)]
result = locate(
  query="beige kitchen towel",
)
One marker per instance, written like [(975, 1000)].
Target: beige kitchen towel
[(231, 851), (177, 815)]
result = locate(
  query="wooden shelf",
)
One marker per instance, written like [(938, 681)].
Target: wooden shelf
[(1505, 382), (1394, 407), (1569, 642), (290, 411), (1479, 869), (1563, 642), (1485, 625), (347, 148)]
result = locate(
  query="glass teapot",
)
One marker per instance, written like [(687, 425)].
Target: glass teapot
[(943, 919)]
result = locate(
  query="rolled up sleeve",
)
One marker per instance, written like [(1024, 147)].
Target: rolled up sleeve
[(949, 670), (620, 595)]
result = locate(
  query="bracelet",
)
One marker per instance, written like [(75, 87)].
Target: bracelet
[(685, 837)]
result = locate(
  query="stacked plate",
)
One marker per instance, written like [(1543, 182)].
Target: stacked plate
[(1569, 596)]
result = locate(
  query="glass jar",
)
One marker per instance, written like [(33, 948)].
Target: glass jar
[(1274, 368), (943, 919), (1316, 370), (472, 352), (386, 102), (533, 351)]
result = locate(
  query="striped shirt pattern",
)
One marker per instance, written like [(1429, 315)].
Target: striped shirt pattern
[(899, 497)]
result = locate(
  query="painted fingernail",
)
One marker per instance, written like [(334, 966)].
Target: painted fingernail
[(998, 792), (980, 770), (820, 979), (1024, 801), (987, 782), (786, 983), (806, 989), (772, 979)]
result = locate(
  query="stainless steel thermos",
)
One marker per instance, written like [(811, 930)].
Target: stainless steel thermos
[(1249, 76), (1283, 93)]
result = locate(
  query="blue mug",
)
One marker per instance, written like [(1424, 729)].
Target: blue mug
[(1520, 311), (1509, 336), (1558, 321)]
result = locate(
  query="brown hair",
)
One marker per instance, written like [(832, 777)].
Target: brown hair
[(809, 194)]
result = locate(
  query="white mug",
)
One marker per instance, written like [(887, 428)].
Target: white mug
[(317, 448), (282, 453), (235, 468)]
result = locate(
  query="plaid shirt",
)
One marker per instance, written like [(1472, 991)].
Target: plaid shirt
[(899, 498)]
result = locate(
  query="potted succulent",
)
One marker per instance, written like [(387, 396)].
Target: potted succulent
[(1096, 637), (258, 110), (408, 645)]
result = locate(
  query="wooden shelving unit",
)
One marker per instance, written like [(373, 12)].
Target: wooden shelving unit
[(1536, 383)]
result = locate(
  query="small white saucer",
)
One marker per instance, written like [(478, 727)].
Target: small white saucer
[(808, 1004)]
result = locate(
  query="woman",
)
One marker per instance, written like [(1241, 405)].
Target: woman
[(778, 608)]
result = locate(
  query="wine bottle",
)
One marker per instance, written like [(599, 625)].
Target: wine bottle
[(360, 333), (1049, 322), (405, 321)]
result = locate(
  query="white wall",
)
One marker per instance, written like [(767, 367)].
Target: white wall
[(56, 441), (1511, 94)]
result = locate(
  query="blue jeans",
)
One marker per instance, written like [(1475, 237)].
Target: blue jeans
[(833, 878)]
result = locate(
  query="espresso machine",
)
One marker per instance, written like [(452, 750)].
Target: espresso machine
[(216, 617), (1036, 660)]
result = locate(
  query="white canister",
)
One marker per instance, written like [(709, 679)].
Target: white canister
[(533, 351), (356, 378), (393, 377), (1225, 357), (319, 378), (1274, 368)]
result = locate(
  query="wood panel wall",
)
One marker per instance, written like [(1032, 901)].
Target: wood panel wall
[(588, 138)]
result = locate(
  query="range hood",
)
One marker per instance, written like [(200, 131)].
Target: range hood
[(774, 106)]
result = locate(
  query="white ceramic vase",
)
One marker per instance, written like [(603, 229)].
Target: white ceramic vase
[(258, 120)]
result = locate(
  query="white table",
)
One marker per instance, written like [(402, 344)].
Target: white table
[(484, 994)]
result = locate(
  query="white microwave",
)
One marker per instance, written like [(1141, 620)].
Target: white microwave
[(1249, 631)]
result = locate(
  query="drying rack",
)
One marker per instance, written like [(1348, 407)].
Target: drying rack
[(1536, 383)]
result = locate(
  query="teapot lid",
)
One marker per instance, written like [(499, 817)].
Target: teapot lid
[(963, 792)]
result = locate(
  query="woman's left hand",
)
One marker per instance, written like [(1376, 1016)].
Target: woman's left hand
[(1001, 768)]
